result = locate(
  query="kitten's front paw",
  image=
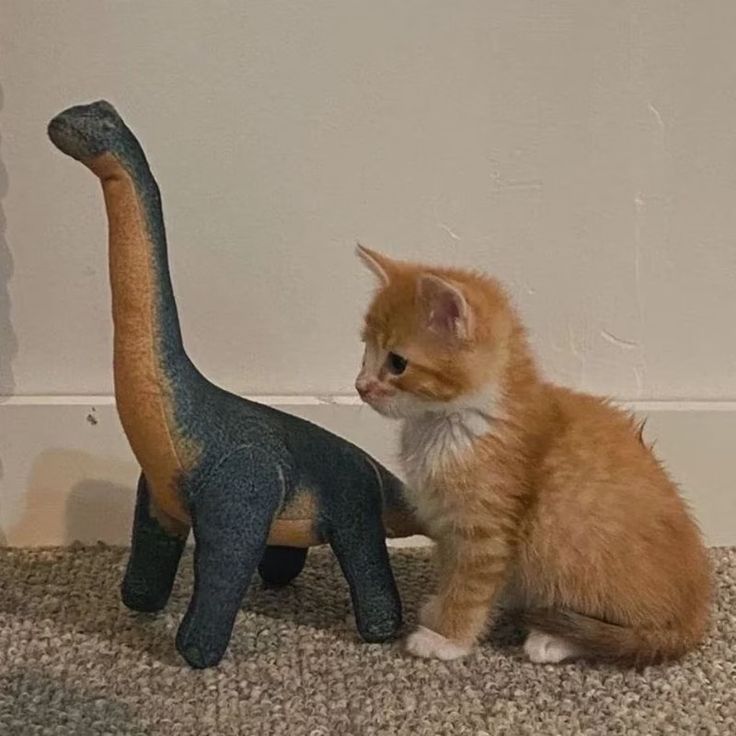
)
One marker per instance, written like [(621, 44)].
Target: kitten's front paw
[(544, 648), (429, 644)]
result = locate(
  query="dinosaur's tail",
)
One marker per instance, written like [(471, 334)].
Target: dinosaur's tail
[(599, 639)]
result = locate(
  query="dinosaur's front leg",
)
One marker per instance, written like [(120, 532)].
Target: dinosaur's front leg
[(231, 515), (154, 556)]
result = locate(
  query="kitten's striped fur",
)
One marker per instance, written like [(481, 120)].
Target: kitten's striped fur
[(534, 491)]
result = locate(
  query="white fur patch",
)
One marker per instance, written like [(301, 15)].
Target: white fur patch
[(431, 645), (544, 648), (373, 359), (444, 432)]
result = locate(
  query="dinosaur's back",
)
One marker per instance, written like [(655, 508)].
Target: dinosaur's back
[(323, 474)]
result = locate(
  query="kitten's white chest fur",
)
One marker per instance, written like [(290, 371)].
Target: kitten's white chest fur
[(429, 442), (433, 441)]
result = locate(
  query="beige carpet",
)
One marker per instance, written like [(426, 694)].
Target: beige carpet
[(74, 661)]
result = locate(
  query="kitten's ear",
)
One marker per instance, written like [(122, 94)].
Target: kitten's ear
[(447, 309), (381, 265)]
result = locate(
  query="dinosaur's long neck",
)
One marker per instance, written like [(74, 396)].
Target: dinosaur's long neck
[(144, 309), (151, 367)]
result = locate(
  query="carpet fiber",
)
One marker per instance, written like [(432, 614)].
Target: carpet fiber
[(74, 661)]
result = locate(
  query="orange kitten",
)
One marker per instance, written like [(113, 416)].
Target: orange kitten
[(546, 496)]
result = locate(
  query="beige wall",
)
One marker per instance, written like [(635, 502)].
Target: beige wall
[(583, 151)]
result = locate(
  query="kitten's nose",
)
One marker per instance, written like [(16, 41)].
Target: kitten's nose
[(363, 387)]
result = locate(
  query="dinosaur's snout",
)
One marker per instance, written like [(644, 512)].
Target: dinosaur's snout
[(85, 131)]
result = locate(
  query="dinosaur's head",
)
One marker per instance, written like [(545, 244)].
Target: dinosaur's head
[(86, 131)]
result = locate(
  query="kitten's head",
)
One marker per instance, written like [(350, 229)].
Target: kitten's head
[(436, 339)]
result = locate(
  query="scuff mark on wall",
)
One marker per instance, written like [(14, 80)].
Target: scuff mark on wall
[(571, 342), (619, 342), (325, 399), (579, 355), (639, 381), (657, 117), (450, 232), (500, 184), (441, 225), (640, 368)]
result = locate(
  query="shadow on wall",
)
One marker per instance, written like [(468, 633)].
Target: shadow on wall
[(8, 340), (98, 510), (65, 502)]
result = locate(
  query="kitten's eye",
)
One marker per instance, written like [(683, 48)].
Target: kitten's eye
[(396, 364)]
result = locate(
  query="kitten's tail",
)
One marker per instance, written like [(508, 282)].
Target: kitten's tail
[(599, 639)]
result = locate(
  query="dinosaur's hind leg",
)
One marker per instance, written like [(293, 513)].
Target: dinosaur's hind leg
[(280, 565), (358, 541), (154, 556), (231, 515)]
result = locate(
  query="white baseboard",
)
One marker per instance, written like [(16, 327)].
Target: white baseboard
[(67, 474)]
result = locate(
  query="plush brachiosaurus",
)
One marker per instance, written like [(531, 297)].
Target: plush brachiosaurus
[(256, 485)]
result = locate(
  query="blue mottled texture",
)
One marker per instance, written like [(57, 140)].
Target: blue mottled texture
[(253, 460)]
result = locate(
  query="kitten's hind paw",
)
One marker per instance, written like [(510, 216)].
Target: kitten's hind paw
[(429, 644), (544, 648)]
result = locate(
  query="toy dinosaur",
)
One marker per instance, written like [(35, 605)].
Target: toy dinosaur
[(256, 485)]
